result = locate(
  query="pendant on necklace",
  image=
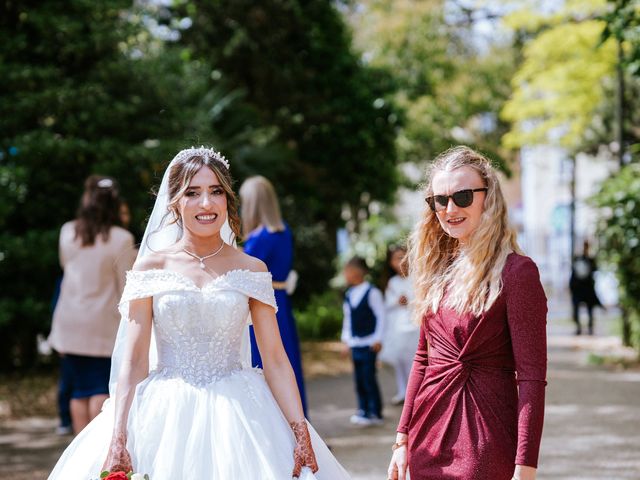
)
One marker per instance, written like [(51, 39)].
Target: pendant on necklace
[(202, 259)]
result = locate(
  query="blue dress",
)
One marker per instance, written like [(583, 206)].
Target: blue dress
[(276, 250)]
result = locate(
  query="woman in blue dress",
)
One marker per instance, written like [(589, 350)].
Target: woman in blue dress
[(269, 239)]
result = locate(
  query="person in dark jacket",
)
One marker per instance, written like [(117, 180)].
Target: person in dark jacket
[(582, 286)]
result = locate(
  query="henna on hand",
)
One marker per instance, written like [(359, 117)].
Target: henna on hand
[(303, 454), (118, 458)]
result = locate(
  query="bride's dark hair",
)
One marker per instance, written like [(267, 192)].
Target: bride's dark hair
[(180, 176)]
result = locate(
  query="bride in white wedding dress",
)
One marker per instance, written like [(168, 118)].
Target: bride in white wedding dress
[(187, 404)]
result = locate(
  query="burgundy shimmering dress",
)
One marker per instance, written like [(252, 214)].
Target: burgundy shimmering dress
[(475, 405)]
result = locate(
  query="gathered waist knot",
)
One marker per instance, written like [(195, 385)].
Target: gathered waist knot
[(469, 365)]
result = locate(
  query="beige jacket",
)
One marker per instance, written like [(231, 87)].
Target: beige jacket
[(85, 321)]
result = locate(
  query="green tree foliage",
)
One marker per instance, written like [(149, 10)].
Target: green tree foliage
[(91, 87), (565, 93), (619, 233), (619, 226), (74, 101), (623, 24), (294, 63), (565, 77), (450, 87)]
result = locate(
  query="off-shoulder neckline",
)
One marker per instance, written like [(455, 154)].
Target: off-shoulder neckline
[(191, 281)]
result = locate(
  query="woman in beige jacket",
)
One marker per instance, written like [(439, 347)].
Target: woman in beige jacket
[(95, 253)]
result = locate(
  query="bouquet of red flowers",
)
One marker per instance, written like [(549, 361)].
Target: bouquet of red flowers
[(106, 475)]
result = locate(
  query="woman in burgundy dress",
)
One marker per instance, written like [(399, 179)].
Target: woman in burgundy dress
[(475, 402)]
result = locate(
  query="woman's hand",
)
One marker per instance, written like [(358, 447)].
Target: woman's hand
[(118, 458), (303, 455), (398, 466), (522, 472)]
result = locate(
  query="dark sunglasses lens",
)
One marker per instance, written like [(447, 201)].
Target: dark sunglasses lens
[(463, 198), (442, 200)]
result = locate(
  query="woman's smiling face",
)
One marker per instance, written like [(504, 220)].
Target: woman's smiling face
[(456, 221), (203, 207)]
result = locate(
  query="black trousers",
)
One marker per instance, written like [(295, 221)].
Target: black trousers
[(576, 315)]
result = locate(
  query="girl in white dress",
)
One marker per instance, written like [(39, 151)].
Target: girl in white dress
[(187, 405), (401, 334)]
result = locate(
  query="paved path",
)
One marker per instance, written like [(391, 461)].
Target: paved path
[(592, 428), (592, 423)]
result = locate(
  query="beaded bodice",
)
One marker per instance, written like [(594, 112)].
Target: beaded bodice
[(199, 331)]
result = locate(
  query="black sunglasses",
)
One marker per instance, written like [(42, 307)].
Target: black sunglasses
[(462, 199)]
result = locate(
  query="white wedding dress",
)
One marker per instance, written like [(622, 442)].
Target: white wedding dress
[(199, 415)]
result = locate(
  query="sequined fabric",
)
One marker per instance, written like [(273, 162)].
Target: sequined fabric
[(198, 330), (475, 401)]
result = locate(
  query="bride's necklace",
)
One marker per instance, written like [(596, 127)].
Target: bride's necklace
[(202, 259)]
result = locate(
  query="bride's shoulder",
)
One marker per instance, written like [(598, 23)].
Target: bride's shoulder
[(146, 278), (152, 261), (245, 261)]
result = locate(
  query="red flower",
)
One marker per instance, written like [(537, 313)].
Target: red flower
[(117, 476)]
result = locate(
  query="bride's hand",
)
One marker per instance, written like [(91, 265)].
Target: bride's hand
[(118, 458), (303, 455)]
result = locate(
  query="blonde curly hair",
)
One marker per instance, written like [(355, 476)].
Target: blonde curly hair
[(472, 276)]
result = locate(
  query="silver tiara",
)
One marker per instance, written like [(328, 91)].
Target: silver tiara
[(201, 152)]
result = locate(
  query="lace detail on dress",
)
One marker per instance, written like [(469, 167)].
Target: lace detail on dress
[(147, 283), (198, 331), (253, 284)]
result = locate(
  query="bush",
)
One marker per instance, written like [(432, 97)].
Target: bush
[(619, 233), (321, 319)]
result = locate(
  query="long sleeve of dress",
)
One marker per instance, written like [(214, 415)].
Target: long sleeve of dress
[(527, 315), (420, 362)]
